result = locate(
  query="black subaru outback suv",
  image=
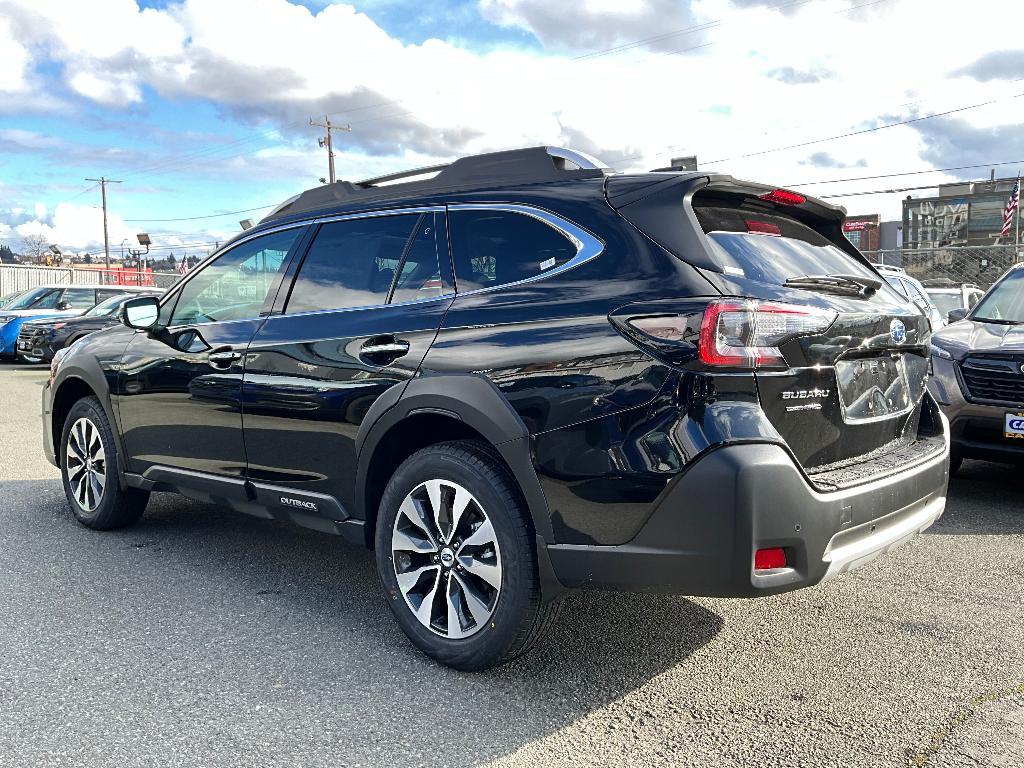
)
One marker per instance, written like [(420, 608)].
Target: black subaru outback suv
[(521, 373)]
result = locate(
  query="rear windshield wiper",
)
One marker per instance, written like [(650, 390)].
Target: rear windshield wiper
[(844, 285)]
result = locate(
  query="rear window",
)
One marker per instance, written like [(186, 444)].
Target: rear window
[(770, 248)]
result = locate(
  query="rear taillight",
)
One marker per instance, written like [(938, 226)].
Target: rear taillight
[(743, 333), (783, 197)]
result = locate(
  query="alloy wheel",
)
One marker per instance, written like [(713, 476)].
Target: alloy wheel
[(446, 559), (85, 460)]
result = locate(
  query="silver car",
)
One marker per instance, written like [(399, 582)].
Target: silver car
[(912, 290)]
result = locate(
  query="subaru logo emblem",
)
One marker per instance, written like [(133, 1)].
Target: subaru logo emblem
[(897, 332), (1022, 367)]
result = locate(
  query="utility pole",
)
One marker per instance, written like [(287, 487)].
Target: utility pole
[(326, 141), (103, 181)]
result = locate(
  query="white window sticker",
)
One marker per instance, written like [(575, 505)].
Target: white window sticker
[(547, 264)]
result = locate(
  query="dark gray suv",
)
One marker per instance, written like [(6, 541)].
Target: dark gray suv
[(978, 374)]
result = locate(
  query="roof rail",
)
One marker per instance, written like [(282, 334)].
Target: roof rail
[(517, 166), (376, 181)]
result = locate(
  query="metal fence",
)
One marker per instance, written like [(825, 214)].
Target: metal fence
[(21, 277), (981, 265)]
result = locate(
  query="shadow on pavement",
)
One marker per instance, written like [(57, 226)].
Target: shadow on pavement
[(984, 498), (295, 620)]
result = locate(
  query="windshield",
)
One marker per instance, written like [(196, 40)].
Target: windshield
[(37, 298), (946, 301), (772, 249), (107, 307), (1005, 304)]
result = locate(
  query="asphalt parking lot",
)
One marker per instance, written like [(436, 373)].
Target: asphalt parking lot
[(206, 638)]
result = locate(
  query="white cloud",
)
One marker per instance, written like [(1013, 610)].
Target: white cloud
[(74, 226), (768, 79)]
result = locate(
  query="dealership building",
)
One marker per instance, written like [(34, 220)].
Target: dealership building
[(966, 213)]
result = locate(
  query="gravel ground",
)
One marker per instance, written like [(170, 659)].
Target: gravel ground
[(202, 637)]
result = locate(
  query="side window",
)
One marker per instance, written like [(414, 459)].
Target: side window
[(419, 276), (915, 294), (49, 300), (972, 299), (896, 283), (352, 263), (102, 295), (79, 298), (235, 285), (497, 247)]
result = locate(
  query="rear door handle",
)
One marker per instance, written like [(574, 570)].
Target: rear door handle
[(384, 347), (223, 357)]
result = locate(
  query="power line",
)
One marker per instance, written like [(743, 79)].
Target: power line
[(204, 216), (907, 173), (850, 134)]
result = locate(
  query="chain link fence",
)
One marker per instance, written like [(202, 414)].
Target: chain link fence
[(936, 267)]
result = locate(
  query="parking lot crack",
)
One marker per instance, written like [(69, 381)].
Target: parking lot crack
[(960, 719)]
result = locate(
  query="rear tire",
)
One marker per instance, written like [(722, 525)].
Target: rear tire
[(88, 462), (455, 554)]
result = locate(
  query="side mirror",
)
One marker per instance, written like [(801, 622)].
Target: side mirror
[(141, 313), (63, 306), (957, 314)]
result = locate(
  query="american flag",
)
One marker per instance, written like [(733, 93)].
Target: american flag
[(1011, 208)]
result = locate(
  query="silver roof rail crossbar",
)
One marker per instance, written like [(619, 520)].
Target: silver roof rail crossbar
[(377, 181)]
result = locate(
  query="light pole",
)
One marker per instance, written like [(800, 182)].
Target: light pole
[(122, 249)]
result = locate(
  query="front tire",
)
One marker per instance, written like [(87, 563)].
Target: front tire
[(88, 463), (455, 554)]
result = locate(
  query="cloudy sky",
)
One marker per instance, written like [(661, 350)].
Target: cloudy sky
[(201, 107)]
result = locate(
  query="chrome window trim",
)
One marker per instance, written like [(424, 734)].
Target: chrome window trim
[(588, 246), (448, 296), (374, 214)]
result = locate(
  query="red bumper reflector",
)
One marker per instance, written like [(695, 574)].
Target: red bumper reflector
[(767, 559)]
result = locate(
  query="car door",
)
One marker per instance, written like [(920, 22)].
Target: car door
[(363, 308), (178, 389)]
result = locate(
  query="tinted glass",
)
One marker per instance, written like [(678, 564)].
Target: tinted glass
[(235, 284), (419, 276), (497, 247), (351, 264), (39, 298), (1006, 301), (740, 245)]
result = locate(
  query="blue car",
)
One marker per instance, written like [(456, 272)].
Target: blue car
[(47, 301)]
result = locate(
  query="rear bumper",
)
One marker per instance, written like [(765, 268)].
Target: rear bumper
[(702, 535)]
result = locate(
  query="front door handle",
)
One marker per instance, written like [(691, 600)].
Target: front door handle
[(384, 348), (223, 357)]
